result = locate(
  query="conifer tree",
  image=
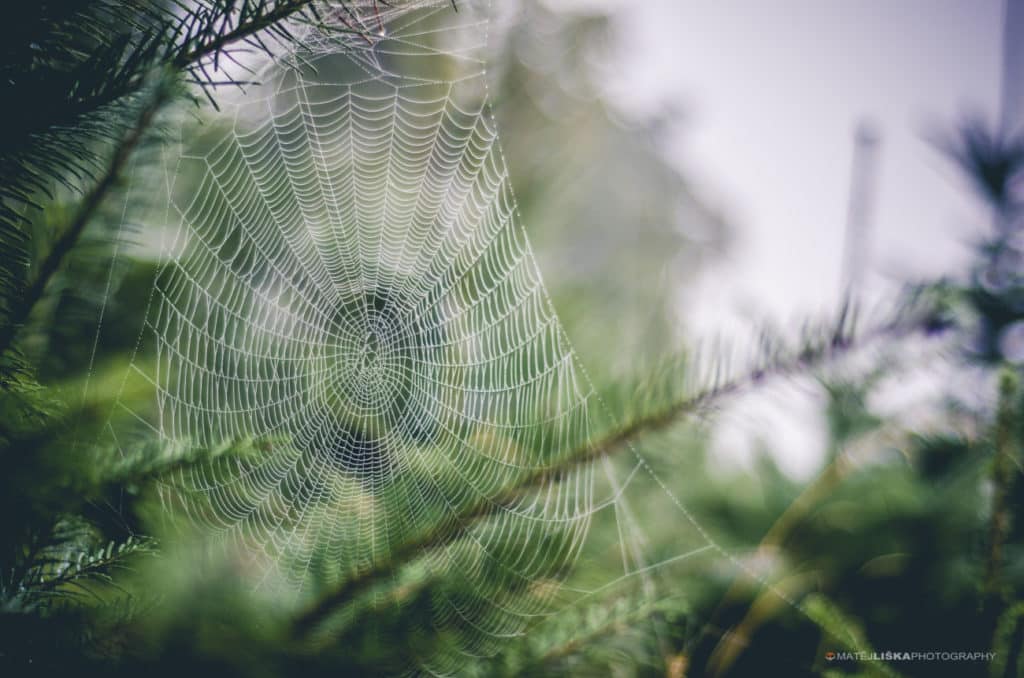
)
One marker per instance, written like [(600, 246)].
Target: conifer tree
[(95, 576)]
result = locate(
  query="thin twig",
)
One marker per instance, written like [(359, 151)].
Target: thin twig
[(241, 32)]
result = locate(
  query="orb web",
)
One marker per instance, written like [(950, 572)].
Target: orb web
[(347, 282)]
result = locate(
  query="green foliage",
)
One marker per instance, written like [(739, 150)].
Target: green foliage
[(85, 83), (843, 632), (891, 547), (78, 71), (1007, 644)]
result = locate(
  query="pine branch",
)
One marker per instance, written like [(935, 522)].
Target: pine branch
[(614, 625), (844, 631), (258, 20), (837, 342), (1002, 481), (72, 67), (83, 565), (1008, 645), (153, 36), (204, 42), (24, 306)]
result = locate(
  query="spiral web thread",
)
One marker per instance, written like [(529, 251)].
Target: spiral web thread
[(348, 283)]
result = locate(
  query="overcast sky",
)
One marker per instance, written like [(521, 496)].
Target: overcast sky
[(773, 92)]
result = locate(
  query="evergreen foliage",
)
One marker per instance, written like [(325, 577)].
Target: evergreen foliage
[(95, 575)]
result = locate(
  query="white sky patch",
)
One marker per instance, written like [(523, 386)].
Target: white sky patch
[(772, 94)]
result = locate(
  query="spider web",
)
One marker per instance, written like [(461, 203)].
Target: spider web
[(348, 282)]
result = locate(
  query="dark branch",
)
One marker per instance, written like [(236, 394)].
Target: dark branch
[(87, 209)]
